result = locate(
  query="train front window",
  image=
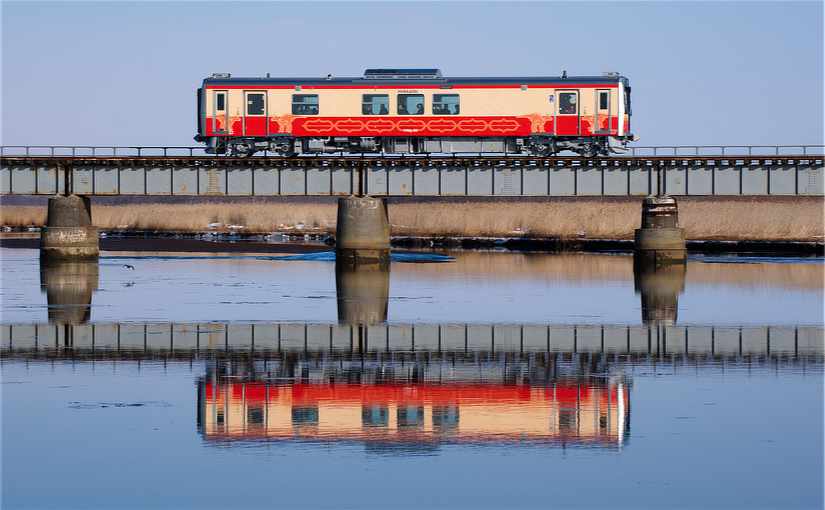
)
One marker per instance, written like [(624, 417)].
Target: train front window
[(220, 101), (255, 103), (446, 104), (375, 104), (305, 104), (627, 100), (568, 103), (410, 104)]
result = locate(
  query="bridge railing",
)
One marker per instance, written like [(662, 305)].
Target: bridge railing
[(100, 151), (727, 150)]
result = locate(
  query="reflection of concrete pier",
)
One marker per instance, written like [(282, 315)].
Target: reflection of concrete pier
[(69, 285), (659, 285), (363, 292)]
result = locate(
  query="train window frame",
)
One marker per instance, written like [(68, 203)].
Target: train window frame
[(604, 100), (247, 96), (562, 105), (372, 104), (438, 104), (401, 103), (296, 106)]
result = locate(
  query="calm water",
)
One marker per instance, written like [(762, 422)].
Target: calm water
[(492, 380)]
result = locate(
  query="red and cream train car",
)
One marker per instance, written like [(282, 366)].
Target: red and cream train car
[(568, 413), (415, 111)]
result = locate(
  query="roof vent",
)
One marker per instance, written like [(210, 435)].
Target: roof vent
[(402, 74), (610, 74), (221, 75)]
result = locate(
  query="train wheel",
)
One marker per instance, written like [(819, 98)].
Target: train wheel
[(242, 150)]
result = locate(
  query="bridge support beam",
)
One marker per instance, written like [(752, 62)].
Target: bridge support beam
[(660, 239), (69, 234), (362, 232)]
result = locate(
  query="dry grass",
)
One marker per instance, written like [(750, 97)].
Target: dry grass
[(22, 215), (758, 218), (192, 217), (736, 218), (543, 219), (754, 218)]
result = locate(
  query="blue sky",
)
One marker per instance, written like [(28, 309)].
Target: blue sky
[(125, 73)]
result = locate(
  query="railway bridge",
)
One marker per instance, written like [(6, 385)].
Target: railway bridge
[(188, 171), (653, 174)]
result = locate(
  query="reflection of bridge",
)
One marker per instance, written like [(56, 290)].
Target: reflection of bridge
[(272, 340)]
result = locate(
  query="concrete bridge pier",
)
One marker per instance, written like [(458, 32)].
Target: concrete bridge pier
[(69, 234), (660, 239), (362, 231)]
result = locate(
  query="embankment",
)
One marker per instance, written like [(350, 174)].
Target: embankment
[(736, 218)]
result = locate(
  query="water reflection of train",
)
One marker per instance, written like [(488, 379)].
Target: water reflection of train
[(584, 411)]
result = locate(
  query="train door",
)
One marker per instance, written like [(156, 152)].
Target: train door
[(254, 120), (602, 109), (567, 113), (220, 118)]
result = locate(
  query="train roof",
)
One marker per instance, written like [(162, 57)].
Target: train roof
[(385, 77)]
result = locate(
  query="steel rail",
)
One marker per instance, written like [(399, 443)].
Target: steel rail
[(171, 150), (421, 159)]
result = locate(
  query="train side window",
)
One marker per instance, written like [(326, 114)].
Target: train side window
[(375, 104), (446, 104), (604, 100), (568, 103), (255, 103), (410, 104), (220, 101), (304, 104)]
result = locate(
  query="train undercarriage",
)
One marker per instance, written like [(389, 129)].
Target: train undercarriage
[(533, 145)]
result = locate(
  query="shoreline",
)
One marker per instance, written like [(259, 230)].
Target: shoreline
[(253, 244), (728, 224)]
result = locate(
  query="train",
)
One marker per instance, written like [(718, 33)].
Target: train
[(414, 111), (571, 412)]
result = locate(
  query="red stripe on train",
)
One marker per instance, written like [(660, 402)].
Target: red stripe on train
[(418, 86)]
